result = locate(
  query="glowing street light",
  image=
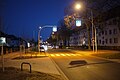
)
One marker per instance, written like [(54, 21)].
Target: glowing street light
[(78, 6)]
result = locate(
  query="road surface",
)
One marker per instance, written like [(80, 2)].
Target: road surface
[(77, 66)]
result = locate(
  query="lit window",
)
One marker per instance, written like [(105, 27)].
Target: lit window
[(115, 31)]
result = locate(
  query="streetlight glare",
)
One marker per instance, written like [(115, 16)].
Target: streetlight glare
[(78, 6), (40, 27)]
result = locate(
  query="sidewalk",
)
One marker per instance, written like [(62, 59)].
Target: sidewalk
[(108, 52), (90, 53), (42, 64)]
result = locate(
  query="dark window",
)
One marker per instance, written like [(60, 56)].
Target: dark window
[(105, 32), (106, 41), (102, 37), (114, 21), (115, 40), (102, 32), (110, 32), (99, 34), (100, 41), (109, 23), (110, 40)]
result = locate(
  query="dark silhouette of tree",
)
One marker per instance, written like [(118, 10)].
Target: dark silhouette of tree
[(64, 32)]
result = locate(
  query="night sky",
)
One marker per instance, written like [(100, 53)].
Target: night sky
[(22, 18)]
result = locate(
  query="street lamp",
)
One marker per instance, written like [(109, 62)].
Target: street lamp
[(94, 34), (39, 39), (78, 6), (94, 41), (40, 28)]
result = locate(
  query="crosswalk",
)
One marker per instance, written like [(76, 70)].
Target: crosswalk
[(60, 54)]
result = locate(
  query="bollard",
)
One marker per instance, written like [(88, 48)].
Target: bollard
[(26, 63)]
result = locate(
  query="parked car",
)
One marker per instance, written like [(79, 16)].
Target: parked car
[(42, 49)]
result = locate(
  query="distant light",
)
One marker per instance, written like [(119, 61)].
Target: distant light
[(2, 40), (83, 42), (78, 22), (54, 28), (53, 33), (28, 44), (40, 27)]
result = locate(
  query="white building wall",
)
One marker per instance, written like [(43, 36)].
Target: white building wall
[(110, 34), (79, 39)]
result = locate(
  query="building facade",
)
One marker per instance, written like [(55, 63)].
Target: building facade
[(80, 37), (109, 33)]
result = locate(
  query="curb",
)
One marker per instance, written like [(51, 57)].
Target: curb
[(58, 68), (105, 59)]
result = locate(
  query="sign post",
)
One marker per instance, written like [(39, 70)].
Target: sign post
[(2, 57), (2, 41)]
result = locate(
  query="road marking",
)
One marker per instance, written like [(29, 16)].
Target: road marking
[(63, 54), (52, 55), (58, 55)]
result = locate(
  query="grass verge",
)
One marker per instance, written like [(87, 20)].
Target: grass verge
[(12, 73), (108, 55)]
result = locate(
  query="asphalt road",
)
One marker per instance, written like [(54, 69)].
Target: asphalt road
[(84, 67)]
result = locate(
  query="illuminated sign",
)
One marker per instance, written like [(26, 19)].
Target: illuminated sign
[(78, 22)]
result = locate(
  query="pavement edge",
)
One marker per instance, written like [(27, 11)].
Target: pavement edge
[(60, 71)]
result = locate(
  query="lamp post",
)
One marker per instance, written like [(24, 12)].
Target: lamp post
[(39, 39), (40, 28), (94, 36), (2, 42)]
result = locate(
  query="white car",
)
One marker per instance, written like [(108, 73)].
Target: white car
[(42, 49)]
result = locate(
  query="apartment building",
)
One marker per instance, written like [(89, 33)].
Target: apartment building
[(79, 38), (109, 33)]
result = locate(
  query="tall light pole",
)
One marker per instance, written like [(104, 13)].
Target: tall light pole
[(40, 28), (94, 36), (39, 39)]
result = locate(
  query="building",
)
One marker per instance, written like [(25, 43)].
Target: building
[(79, 38), (108, 27), (108, 35)]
